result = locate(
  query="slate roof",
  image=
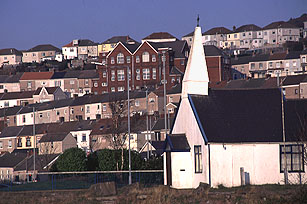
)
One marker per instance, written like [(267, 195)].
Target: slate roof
[(86, 42), (294, 79), (159, 35), (177, 143), (261, 83), (293, 55), (50, 90), (249, 27), (211, 50), (177, 46), (45, 47), (16, 95), (175, 89), (175, 71), (36, 75), (53, 137), (159, 124), (116, 39), (10, 160), (132, 47), (189, 34), (278, 56), (278, 24), (40, 162), (10, 51), (235, 116), (216, 30)]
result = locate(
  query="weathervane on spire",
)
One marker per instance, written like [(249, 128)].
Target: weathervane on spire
[(198, 20)]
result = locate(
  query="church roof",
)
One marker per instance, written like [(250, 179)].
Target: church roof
[(249, 116)]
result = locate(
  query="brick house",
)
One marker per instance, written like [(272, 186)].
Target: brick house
[(145, 64)]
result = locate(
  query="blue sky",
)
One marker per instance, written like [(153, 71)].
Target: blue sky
[(27, 23)]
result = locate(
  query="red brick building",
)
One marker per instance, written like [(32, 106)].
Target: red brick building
[(145, 64)]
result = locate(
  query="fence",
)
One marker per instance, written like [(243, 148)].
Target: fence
[(78, 180)]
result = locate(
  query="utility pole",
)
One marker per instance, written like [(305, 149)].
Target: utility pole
[(130, 180), (147, 136), (34, 143), (164, 91), (283, 130)]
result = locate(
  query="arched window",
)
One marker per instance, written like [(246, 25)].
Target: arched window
[(145, 57), (120, 58)]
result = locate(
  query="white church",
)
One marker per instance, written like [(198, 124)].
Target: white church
[(232, 137)]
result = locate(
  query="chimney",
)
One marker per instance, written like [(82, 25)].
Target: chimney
[(234, 28)]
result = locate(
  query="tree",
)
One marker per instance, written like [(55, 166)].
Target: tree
[(73, 159), (119, 128), (109, 159)]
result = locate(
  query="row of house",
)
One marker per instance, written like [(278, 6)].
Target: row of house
[(273, 64), (251, 36), (73, 82)]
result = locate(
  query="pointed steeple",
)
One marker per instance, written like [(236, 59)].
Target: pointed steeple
[(196, 79)]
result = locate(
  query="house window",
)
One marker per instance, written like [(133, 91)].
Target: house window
[(95, 84), (1, 145), (112, 60), (296, 91), (112, 89), (146, 74), (304, 59), (58, 113), (113, 75), (104, 107), (104, 84), (270, 64), (83, 137), (138, 74), (120, 75), (145, 57), (104, 74), (19, 143), (154, 73), (72, 82), (23, 118), (86, 81), (260, 66), (87, 109), (287, 64), (120, 58), (121, 88), (137, 103), (277, 64), (28, 142), (29, 85), (252, 65), (6, 103), (137, 59), (182, 62), (294, 157), (294, 63), (153, 58), (128, 59), (40, 115), (72, 111), (198, 159)]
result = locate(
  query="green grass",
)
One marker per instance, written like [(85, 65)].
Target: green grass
[(47, 185)]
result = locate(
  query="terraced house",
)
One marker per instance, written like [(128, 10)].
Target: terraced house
[(40, 53)]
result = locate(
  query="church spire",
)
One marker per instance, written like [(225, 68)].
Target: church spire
[(196, 79)]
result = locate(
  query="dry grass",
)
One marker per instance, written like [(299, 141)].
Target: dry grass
[(137, 193)]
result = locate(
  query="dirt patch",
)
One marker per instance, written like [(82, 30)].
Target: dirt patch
[(137, 193)]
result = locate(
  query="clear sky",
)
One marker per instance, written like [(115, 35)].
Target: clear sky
[(27, 23)]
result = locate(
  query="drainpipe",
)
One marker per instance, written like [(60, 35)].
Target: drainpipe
[(209, 163)]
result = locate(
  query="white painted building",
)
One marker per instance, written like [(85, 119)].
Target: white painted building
[(231, 137)]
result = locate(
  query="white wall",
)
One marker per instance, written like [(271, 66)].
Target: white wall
[(186, 123), (261, 161)]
